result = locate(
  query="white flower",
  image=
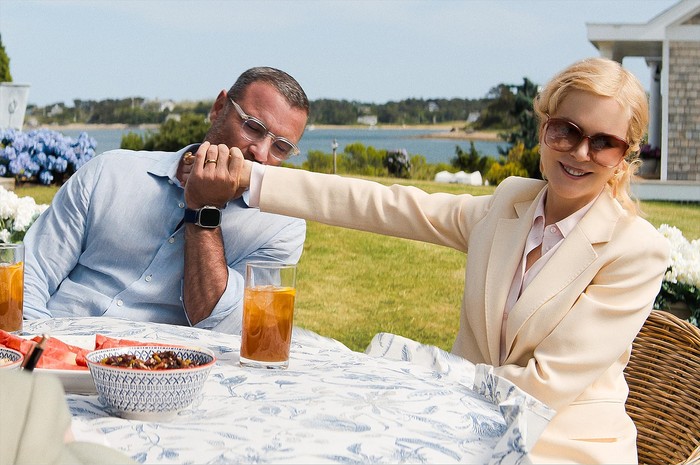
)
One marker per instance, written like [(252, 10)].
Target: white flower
[(16, 215), (684, 266)]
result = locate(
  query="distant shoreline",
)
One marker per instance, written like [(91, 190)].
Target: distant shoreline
[(491, 136), (444, 131), (88, 127)]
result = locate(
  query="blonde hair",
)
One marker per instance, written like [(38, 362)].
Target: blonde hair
[(605, 78)]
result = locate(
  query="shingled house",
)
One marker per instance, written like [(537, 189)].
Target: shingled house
[(670, 44)]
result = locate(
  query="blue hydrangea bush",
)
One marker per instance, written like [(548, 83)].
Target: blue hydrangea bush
[(43, 156)]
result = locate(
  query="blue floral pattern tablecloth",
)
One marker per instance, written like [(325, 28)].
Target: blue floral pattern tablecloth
[(401, 402)]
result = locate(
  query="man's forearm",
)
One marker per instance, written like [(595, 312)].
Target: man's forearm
[(206, 272)]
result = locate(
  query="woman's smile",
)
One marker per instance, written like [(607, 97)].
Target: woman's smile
[(573, 172)]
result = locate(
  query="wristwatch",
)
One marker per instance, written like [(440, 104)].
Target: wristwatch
[(205, 217)]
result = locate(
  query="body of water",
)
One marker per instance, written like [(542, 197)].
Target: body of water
[(434, 150)]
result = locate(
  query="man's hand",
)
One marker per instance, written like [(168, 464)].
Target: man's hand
[(213, 177)]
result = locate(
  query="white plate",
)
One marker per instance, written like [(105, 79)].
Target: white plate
[(74, 381)]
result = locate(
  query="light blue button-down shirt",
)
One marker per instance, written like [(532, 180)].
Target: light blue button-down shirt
[(112, 244)]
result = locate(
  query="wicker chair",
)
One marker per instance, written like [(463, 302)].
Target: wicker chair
[(664, 400)]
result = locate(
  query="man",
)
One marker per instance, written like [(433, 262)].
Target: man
[(157, 236)]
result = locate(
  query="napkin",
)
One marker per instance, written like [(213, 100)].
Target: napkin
[(394, 347)]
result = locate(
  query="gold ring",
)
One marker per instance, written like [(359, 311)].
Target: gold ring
[(209, 161), (188, 158)]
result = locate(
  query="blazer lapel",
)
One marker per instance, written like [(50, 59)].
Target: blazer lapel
[(506, 252), (574, 255)]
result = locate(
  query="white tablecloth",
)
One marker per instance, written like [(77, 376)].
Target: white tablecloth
[(402, 402)]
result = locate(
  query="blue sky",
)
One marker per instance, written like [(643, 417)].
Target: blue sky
[(364, 50)]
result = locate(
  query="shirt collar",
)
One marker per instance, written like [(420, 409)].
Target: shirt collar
[(167, 166), (567, 224)]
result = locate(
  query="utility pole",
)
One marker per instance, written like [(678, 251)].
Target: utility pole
[(334, 146)]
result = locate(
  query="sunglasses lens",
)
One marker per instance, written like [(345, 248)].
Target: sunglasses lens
[(562, 135), (605, 142), (608, 150)]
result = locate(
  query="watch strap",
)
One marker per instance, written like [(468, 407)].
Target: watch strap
[(203, 217), (190, 216)]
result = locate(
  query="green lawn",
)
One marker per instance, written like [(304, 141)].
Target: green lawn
[(352, 285)]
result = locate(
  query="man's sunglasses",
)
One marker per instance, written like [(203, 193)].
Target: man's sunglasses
[(564, 136)]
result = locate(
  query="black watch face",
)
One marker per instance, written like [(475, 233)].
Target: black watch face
[(209, 217)]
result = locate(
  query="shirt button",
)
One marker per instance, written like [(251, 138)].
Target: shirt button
[(553, 229), (148, 278), (181, 205), (120, 303), (171, 240), (170, 181)]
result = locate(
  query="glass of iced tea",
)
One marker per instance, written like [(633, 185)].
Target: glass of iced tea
[(268, 310), (11, 287)]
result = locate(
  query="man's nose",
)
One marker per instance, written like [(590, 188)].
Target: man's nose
[(261, 150)]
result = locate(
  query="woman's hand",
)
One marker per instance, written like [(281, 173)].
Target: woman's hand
[(211, 175)]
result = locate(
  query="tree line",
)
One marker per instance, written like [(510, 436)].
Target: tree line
[(497, 110), (137, 110)]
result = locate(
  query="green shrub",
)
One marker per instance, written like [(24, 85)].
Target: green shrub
[(366, 161), (472, 160), (319, 162), (172, 134), (529, 159), (132, 141), (499, 172), (5, 75)]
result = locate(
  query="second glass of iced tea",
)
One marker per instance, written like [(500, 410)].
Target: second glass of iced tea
[(268, 311)]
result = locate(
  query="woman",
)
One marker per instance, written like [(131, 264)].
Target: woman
[(561, 274)]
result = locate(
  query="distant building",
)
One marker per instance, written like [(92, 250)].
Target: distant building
[(370, 120), (670, 44), (56, 110), (168, 105)]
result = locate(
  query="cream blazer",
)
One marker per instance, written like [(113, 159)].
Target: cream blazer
[(569, 335)]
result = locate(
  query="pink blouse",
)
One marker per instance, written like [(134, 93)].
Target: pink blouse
[(550, 236)]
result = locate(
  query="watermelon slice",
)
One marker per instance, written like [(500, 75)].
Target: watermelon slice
[(15, 342), (61, 356)]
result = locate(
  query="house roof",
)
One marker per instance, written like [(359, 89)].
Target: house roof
[(679, 21)]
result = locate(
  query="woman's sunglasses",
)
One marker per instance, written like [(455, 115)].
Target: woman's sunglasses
[(564, 136)]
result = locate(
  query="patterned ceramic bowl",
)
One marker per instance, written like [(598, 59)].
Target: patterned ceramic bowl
[(149, 395), (10, 359)]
